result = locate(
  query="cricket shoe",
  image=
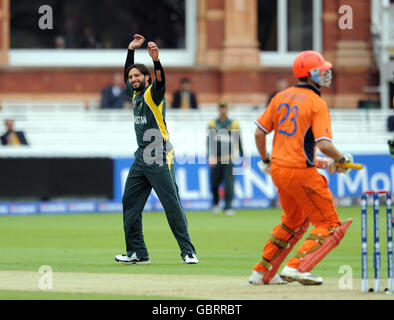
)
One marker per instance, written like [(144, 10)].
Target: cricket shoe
[(215, 210), (229, 212), (133, 259), (256, 278), (305, 278), (190, 259)]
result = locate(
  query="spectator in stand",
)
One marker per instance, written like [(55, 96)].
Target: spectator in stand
[(69, 33), (114, 95), (60, 42), (179, 39), (281, 85), (12, 137), (184, 98), (89, 40)]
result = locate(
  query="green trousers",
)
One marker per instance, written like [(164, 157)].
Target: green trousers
[(140, 181), (219, 173)]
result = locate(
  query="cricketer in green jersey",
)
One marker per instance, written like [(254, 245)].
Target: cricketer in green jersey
[(153, 166), (224, 147)]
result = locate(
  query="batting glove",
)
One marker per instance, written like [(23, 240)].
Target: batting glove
[(347, 158), (326, 163), (264, 165)]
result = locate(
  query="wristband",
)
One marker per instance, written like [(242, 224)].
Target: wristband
[(342, 160), (267, 161)]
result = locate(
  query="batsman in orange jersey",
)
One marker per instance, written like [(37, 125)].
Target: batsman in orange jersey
[(301, 121)]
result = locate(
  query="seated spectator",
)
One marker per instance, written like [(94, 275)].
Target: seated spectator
[(60, 42), (12, 137), (184, 98), (114, 96), (69, 33), (89, 39), (281, 85), (390, 124)]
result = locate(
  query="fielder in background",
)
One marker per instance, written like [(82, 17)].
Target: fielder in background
[(153, 166), (224, 147), (301, 121)]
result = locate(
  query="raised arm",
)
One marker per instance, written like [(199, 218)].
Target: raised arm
[(128, 63), (135, 44), (158, 87)]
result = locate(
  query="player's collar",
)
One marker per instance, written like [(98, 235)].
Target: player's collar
[(220, 121), (310, 87)]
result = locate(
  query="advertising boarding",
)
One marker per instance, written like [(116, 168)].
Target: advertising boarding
[(254, 189)]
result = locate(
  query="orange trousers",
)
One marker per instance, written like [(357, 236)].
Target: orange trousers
[(303, 193)]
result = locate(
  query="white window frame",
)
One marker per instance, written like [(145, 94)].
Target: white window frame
[(282, 57), (110, 57)]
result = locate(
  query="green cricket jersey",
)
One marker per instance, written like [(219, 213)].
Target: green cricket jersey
[(149, 106), (148, 170), (224, 140)]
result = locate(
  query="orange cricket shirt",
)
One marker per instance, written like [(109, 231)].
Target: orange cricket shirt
[(300, 118)]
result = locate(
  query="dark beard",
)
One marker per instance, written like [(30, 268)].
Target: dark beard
[(141, 87)]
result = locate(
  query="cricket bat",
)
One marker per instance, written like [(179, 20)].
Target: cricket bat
[(321, 163), (349, 165)]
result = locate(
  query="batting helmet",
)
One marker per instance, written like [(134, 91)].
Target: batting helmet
[(307, 61)]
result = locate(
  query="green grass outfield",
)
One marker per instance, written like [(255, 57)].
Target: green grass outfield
[(226, 246)]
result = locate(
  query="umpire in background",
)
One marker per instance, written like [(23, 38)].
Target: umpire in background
[(153, 166), (224, 147)]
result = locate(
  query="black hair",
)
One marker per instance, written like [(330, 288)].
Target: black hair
[(142, 68), (304, 79), (223, 104)]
